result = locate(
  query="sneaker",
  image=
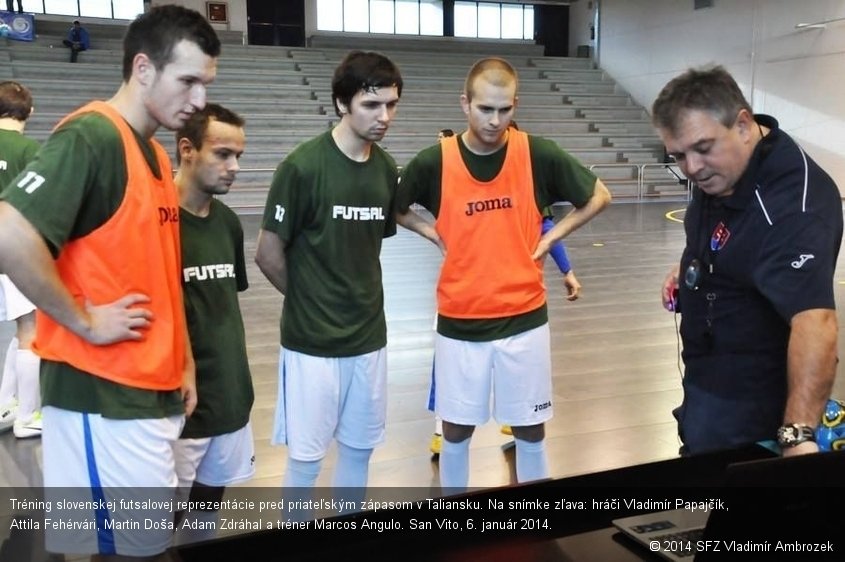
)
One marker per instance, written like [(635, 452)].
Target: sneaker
[(29, 428), (8, 415), (506, 430), (436, 444)]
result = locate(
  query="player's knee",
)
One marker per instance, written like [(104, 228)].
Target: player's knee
[(207, 495), (457, 433), (531, 433)]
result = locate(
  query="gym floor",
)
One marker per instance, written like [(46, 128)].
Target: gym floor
[(615, 355)]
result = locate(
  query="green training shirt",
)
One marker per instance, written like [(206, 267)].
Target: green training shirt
[(557, 177), (82, 180), (213, 272), (16, 151), (332, 214)]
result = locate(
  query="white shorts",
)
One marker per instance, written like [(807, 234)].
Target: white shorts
[(516, 369), (16, 305), (122, 473), (321, 398), (215, 461)]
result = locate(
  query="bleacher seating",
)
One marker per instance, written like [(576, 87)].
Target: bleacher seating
[(285, 95)]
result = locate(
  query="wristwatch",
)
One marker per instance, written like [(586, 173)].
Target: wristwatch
[(792, 434)]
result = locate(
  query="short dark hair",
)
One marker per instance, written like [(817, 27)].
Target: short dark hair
[(710, 89), (15, 100), (157, 32), (363, 71), (505, 72), (196, 126)]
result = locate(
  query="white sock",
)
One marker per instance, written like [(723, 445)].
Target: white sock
[(27, 367), (438, 426), (531, 461), (300, 477), (350, 475), (9, 383), (454, 466), (197, 526)]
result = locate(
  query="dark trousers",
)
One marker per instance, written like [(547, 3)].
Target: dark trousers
[(75, 49), (10, 6)]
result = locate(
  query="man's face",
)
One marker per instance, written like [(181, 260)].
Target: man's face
[(179, 89), (710, 154), (370, 112), (489, 113), (212, 168)]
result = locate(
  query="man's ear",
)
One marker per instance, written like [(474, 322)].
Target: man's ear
[(465, 103), (143, 69), (186, 149), (745, 124), (342, 107)]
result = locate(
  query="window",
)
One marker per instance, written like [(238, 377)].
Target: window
[(356, 15), (95, 8), (512, 24), (489, 20), (128, 9), (330, 15), (412, 17), (494, 20), (431, 17), (33, 6), (528, 22), (61, 7), (408, 17), (466, 19), (117, 9), (381, 16)]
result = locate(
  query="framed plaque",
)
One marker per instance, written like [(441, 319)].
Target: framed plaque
[(217, 12)]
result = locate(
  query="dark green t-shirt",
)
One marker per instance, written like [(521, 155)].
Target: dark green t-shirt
[(557, 177), (213, 272), (332, 214), (16, 151), (80, 174)]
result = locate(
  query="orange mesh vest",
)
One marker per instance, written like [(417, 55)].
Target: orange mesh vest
[(490, 230), (135, 251)]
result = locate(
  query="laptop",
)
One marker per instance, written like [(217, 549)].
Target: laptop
[(759, 486), (676, 532)]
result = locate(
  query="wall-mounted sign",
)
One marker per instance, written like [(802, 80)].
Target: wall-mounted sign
[(217, 12)]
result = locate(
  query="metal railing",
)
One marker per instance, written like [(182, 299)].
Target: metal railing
[(632, 166), (669, 167), (639, 173)]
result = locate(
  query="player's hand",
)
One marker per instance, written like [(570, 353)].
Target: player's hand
[(543, 247), (573, 286), (670, 283), (117, 321), (189, 388), (805, 448)]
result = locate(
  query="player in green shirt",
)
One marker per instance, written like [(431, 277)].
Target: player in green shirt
[(216, 446), (20, 395), (328, 209), (102, 439), (467, 347)]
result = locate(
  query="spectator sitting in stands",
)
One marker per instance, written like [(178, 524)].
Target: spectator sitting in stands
[(77, 40)]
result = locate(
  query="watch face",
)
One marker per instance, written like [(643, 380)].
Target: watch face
[(793, 434)]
